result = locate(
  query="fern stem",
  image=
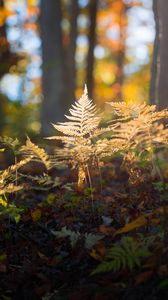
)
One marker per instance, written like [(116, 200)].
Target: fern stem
[(100, 175), (91, 187), (16, 172)]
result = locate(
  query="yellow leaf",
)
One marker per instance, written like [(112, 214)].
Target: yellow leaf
[(141, 221)]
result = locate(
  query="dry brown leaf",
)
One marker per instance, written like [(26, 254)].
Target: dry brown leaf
[(143, 277), (106, 230)]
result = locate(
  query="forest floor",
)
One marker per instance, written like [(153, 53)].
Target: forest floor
[(65, 233)]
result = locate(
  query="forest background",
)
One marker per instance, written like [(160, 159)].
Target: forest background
[(50, 48)]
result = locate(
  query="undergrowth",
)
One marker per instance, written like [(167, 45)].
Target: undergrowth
[(125, 230)]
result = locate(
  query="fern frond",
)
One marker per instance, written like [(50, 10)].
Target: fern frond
[(37, 153), (140, 129), (10, 188), (4, 175), (83, 119), (127, 254), (78, 131), (43, 180)]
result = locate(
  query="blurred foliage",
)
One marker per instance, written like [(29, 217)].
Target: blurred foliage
[(19, 27), (18, 119)]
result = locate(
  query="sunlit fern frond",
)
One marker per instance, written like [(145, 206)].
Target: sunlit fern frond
[(77, 134), (4, 175), (80, 152), (6, 186), (107, 147), (77, 131), (43, 181), (124, 111), (10, 188), (82, 120), (142, 126), (37, 153), (142, 112)]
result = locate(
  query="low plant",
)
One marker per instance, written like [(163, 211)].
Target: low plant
[(135, 131), (90, 239), (129, 253), (8, 185)]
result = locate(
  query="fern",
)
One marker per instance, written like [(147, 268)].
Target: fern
[(140, 127), (5, 176), (84, 142), (133, 129), (37, 153), (43, 182), (83, 120), (129, 254), (90, 239), (128, 111), (138, 134), (79, 149)]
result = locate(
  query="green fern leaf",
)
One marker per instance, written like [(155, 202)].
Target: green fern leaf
[(128, 254)]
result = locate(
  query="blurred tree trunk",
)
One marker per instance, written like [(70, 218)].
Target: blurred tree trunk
[(7, 59), (4, 50), (163, 72), (153, 93), (120, 53), (71, 50), (159, 85), (53, 102), (93, 6)]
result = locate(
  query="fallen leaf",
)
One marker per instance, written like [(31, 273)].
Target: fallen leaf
[(143, 277), (141, 221), (106, 229)]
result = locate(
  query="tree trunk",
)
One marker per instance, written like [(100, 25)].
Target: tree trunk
[(163, 57), (121, 53), (159, 80), (4, 50), (53, 103), (93, 5), (71, 50), (7, 59), (153, 93)]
